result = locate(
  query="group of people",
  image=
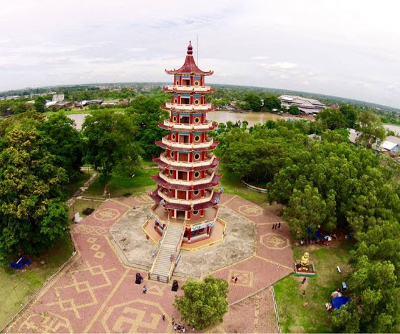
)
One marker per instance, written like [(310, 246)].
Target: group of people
[(177, 326), (276, 226), (234, 279)]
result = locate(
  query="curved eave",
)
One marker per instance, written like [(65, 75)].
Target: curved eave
[(161, 182), (182, 71), (163, 164), (191, 149), (188, 111), (169, 128), (182, 91), (185, 207)]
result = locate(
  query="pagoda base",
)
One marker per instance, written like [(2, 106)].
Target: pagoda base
[(196, 242)]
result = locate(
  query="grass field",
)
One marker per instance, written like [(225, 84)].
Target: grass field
[(312, 318), (18, 286)]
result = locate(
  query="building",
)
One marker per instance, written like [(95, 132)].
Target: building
[(186, 201), (187, 176), (306, 106)]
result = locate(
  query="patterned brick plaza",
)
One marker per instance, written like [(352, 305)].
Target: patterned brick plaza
[(96, 292)]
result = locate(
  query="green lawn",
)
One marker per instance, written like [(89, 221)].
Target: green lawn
[(125, 185), (18, 286), (232, 185), (293, 316)]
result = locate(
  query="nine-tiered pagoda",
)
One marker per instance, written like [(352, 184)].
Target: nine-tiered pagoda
[(186, 180)]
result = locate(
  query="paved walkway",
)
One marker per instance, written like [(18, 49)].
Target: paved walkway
[(95, 292)]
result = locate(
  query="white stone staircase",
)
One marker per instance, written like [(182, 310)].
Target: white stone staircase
[(169, 249)]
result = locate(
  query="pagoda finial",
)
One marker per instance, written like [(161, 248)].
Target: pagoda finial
[(190, 49)]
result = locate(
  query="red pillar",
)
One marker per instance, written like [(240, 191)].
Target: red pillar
[(189, 233)]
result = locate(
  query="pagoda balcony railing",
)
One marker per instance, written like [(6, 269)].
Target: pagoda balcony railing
[(187, 183), (184, 201), (180, 126), (182, 88), (188, 107), (187, 164), (187, 146)]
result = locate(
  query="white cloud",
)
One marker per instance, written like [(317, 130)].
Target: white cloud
[(284, 65)]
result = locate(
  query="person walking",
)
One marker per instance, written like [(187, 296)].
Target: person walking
[(163, 317), (304, 293), (144, 289)]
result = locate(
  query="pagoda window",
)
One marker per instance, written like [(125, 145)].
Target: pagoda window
[(185, 100), (197, 138), (196, 175), (195, 212), (196, 193), (183, 157), (197, 83), (180, 214), (185, 119), (182, 175), (196, 102), (186, 82), (173, 118), (196, 120), (196, 156), (181, 194)]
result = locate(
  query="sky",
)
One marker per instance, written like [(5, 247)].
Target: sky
[(342, 48)]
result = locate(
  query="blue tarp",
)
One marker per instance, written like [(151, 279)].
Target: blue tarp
[(339, 301), (318, 234)]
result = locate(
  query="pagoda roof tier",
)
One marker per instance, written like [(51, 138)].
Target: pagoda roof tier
[(189, 67), (188, 108), (208, 126), (187, 166), (212, 201), (210, 183), (188, 89), (167, 144)]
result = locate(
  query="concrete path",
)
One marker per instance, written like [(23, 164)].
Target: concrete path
[(96, 291)]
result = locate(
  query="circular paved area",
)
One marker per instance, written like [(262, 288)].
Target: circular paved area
[(95, 292)]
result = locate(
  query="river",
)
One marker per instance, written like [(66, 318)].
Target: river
[(217, 116), (224, 116)]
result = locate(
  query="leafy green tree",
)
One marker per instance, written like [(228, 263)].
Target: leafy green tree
[(294, 110), (40, 103), (32, 210), (331, 119), (204, 303), (110, 142), (146, 115), (350, 113), (271, 102), (371, 129), (254, 101), (307, 209), (64, 141)]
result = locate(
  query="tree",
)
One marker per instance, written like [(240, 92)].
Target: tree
[(371, 129), (294, 110), (272, 102), (204, 303), (307, 209), (110, 142), (64, 141), (254, 101), (146, 115), (331, 119), (39, 104), (32, 210)]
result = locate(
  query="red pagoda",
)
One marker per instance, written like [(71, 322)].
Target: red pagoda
[(185, 196)]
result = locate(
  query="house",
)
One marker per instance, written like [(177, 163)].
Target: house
[(390, 145), (305, 105)]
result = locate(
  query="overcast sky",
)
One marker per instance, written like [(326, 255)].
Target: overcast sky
[(345, 48)]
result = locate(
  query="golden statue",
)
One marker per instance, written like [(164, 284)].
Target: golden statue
[(305, 261)]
